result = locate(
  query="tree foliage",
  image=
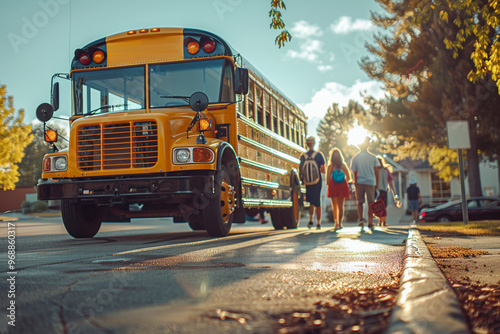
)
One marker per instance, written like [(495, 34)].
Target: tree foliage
[(14, 136), (479, 19), (427, 84), (277, 22), (30, 167)]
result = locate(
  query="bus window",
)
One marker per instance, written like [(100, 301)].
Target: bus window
[(281, 120), (170, 82), (287, 124), (251, 103), (275, 115), (108, 90), (267, 110), (258, 97)]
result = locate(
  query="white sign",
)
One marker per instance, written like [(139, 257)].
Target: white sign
[(458, 134)]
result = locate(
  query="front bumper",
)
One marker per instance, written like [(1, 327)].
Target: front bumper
[(127, 190)]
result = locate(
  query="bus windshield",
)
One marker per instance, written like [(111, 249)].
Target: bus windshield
[(171, 84), (108, 90)]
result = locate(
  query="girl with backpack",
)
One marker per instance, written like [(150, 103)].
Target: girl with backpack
[(337, 178)]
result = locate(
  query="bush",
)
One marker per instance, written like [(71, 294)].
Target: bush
[(26, 206), (40, 206)]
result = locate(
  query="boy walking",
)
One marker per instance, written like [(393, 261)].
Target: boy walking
[(364, 166), (312, 165), (415, 201)]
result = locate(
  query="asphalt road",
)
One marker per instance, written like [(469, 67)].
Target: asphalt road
[(153, 276)]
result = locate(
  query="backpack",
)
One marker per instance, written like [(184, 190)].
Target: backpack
[(338, 175), (310, 170)]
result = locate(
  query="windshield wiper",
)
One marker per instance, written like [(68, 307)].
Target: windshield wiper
[(107, 106)]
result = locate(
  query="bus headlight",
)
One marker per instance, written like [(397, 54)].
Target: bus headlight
[(182, 155), (61, 163), (193, 155)]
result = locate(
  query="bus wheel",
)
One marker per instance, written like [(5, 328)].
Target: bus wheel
[(290, 217), (196, 222), (81, 221), (276, 215), (218, 214)]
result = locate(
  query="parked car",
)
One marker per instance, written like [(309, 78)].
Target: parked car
[(479, 208)]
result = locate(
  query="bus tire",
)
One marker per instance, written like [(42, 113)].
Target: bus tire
[(218, 214), (276, 219), (80, 221), (196, 222), (289, 218)]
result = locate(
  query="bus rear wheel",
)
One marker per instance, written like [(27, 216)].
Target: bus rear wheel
[(218, 214), (80, 221), (291, 215)]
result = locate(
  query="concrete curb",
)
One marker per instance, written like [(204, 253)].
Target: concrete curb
[(426, 303)]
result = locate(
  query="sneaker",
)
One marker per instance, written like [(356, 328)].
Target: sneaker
[(318, 227), (361, 222), (310, 224), (264, 221)]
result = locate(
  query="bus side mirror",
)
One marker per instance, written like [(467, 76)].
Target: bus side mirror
[(241, 81), (55, 96)]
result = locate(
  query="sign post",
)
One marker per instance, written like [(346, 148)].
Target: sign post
[(458, 138)]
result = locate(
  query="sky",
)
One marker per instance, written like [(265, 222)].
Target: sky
[(320, 66)]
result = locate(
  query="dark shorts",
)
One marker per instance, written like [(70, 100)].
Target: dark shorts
[(313, 194), (363, 190), (414, 205)]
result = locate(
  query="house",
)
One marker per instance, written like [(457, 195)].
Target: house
[(11, 200), (434, 190)]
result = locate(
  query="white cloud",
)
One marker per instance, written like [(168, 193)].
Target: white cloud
[(346, 25), (309, 50), (324, 68), (333, 92), (303, 30)]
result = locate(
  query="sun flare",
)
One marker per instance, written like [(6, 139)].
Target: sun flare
[(356, 135)]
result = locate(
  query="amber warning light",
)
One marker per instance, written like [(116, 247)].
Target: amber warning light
[(193, 46)]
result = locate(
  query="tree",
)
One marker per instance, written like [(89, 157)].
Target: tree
[(427, 84), (481, 20), (277, 22), (14, 136), (30, 167)]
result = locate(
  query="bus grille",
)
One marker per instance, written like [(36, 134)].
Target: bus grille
[(117, 146)]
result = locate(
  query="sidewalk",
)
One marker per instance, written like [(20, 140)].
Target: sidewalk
[(427, 302), (18, 215)]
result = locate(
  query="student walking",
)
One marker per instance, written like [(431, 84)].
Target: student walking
[(364, 166), (414, 199), (337, 179), (312, 165)]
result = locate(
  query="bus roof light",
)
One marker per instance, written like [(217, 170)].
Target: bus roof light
[(192, 45), (155, 29), (98, 56), (84, 58), (142, 31), (131, 32), (208, 45)]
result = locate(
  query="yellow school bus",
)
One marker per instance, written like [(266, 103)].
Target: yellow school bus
[(170, 122)]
